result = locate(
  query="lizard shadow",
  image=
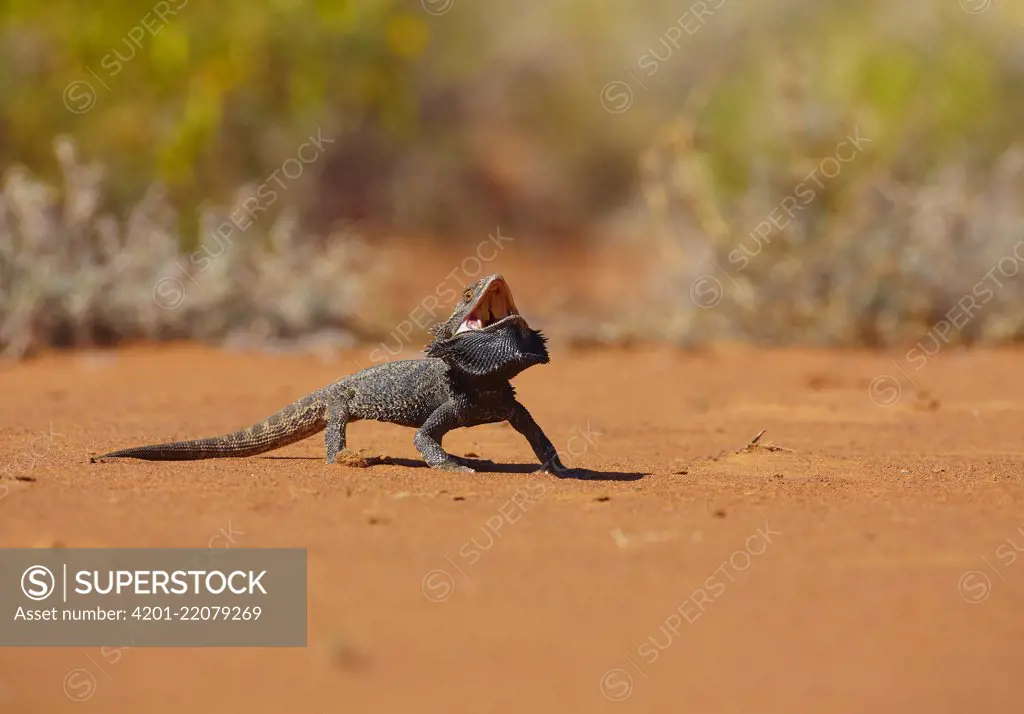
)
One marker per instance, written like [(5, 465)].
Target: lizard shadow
[(485, 466), (578, 474)]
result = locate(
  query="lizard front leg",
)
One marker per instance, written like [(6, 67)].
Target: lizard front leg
[(523, 422), (428, 438)]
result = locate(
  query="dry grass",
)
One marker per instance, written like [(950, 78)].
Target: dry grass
[(891, 262), (71, 275)]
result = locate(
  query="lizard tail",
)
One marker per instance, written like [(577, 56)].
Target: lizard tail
[(293, 423)]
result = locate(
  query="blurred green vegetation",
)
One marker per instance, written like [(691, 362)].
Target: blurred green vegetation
[(202, 97), (451, 117), (893, 241), (489, 104)]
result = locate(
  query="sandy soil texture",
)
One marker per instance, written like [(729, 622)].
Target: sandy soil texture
[(860, 558)]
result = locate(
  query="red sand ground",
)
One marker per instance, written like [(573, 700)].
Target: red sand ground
[(869, 569)]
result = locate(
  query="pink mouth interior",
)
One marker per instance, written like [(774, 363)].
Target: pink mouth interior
[(494, 305)]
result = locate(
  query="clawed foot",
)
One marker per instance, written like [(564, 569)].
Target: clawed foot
[(557, 468), (349, 457)]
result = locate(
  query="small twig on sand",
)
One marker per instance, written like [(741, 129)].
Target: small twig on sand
[(755, 445)]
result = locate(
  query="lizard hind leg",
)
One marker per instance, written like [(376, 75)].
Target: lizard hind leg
[(337, 420)]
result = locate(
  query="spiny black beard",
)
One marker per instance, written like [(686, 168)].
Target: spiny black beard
[(499, 354)]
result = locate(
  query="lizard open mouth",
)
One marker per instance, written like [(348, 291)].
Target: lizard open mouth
[(492, 307)]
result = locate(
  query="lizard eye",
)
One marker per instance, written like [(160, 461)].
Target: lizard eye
[(467, 295)]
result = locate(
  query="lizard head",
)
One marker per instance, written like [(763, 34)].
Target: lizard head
[(485, 335)]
